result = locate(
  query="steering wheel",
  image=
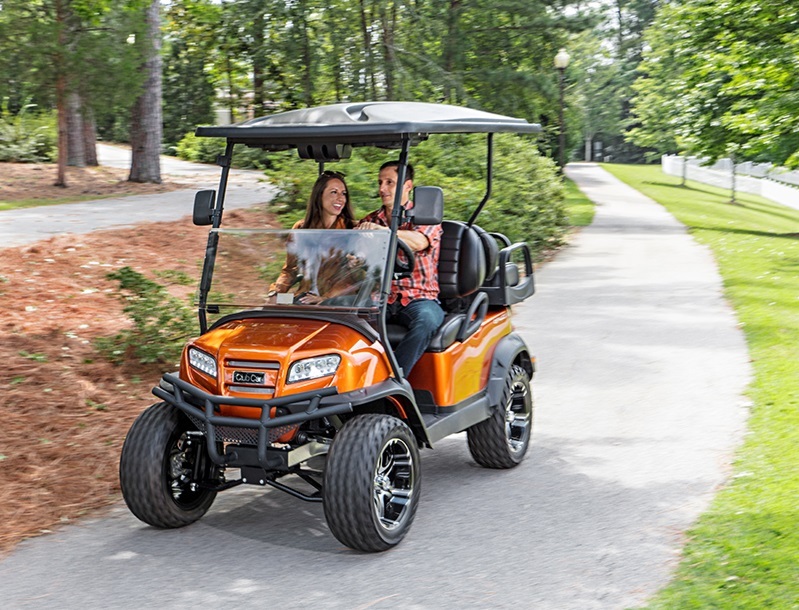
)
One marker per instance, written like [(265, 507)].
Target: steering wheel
[(404, 267)]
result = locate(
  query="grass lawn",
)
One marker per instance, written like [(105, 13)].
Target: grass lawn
[(579, 208), (744, 551)]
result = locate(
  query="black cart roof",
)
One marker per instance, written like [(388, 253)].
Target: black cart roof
[(364, 124)]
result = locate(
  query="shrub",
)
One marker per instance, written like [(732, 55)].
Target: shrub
[(527, 198), (27, 137), (161, 323), (526, 203), (200, 150), (206, 150)]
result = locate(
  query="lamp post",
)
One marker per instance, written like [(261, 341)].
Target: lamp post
[(561, 63)]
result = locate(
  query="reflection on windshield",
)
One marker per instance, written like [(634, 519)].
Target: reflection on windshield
[(306, 267)]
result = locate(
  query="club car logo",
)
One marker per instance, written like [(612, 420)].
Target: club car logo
[(245, 377)]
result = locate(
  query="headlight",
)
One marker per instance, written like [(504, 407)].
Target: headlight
[(202, 362), (313, 368)]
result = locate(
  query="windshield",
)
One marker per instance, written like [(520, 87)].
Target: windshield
[(310, 268)]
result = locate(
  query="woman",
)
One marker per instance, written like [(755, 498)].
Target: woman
[(329, 205), (328, 208)]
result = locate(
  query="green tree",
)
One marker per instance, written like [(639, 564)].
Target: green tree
[(604, 63), (189, 79), (720, 79), (62, 49), (146, 128)]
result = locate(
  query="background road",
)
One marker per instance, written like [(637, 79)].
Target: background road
[(641, 369), (23, 226)]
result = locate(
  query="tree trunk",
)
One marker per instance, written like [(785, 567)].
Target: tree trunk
[(335, 59), (232, 97), (389, 56), (61, 94), (451, 49), (258, 65), (146, 125), (89, 137), (369, 77), (307, 81), (75, 142), (337, 69)]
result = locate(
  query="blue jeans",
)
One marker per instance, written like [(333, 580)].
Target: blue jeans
[(422, 317)]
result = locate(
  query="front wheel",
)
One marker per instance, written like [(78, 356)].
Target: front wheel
[(502, 440), (164, 469), (372, 482)]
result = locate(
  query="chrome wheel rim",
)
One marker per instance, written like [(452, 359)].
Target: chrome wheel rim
[(393, 484), (518, 417)]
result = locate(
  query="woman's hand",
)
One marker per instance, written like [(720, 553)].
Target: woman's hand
[(310, 299), (353, 262), (370, 226)]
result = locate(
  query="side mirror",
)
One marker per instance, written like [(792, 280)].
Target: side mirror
[(204, 207), (428, 205)]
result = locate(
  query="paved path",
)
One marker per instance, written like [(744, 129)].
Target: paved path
[(23, 226), (638, 405)]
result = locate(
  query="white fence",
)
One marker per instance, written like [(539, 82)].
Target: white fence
[(756, 178)]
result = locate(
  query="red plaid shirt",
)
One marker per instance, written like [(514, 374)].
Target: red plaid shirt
[(423, 281)]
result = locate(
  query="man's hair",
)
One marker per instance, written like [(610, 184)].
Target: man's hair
[(395, 164)]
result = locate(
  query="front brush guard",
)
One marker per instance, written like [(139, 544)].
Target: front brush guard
[(302, 407)]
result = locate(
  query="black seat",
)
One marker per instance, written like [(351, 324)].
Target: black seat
[(491, 250), (462, 261), (461, 271)]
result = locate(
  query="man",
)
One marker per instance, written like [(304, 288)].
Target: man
[(413, 301)]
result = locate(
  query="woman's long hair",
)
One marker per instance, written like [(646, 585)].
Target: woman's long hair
[(313, 213)]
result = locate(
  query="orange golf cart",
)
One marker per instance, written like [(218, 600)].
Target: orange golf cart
[(308, 398)]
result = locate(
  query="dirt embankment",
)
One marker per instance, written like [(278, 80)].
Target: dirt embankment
[(66, 410)]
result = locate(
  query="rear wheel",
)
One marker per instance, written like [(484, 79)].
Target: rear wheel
[(372, 482), (502, 440), (163, 468)]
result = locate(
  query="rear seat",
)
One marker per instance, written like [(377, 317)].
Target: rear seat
[(461, 271), (473, 275)]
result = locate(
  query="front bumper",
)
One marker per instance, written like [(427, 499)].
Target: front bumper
[(298, 408)]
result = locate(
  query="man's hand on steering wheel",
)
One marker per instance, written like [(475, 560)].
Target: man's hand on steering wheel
[(404, 265)]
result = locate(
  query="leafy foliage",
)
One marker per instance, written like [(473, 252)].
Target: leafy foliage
[(255, 57), (26, 137), (720, 79), (526, 202), (82, 42), (161, 323), (190, 93), (199, 150), (188, 81), (270, 55), (206, 150)]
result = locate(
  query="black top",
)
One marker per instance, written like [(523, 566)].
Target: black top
[(365, 123)]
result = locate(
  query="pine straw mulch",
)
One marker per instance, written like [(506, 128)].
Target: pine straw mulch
[(23, 181), (66, 410)]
